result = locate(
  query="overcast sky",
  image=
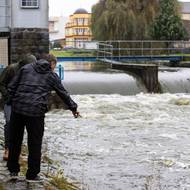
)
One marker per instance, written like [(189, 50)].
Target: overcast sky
[(68, 7)]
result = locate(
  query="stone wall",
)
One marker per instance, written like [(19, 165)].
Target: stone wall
[(54, 102), (31, 40)]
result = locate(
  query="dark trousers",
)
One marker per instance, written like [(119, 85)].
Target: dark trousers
[(7, 115), (35, 130)]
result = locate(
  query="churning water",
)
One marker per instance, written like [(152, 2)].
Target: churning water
[(126, 139), (123, 142), (93, 78), (175, 80), (99, 79)]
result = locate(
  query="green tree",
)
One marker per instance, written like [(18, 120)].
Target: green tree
[(168, 24), (123, 19)]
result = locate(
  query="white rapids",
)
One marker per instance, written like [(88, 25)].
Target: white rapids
[(124, 142)]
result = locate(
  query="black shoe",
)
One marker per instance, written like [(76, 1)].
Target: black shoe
[(13, 176), (34, 180)]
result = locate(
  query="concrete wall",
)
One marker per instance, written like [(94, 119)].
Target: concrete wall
[(27, 28), (54, 102), (4, 15), (29, 18), (148, 73), (57, 29)]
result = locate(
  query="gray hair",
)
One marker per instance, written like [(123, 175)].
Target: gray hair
[(28, 58)]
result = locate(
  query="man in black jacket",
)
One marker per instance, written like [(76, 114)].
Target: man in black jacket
[(5, 78), (29, 95)]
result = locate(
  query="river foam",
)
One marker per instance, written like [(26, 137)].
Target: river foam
[(123, 142)]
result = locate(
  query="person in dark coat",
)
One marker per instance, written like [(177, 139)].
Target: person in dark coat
[(29, 95), (5, 78)]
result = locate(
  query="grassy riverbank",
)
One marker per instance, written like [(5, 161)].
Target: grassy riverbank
[(73, 53), (53, 177)]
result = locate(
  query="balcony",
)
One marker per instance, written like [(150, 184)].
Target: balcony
[(82, 33), (76, 24)]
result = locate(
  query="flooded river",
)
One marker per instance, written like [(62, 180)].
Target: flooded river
[(124, 142), (126, 139)]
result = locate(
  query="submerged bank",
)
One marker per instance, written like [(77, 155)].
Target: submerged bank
[(52, 175)]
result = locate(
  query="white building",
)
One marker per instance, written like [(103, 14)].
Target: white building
[(185, 15), (57, 27), (23, 28), (185, 10)]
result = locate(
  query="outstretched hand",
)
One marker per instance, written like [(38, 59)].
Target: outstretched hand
[(76, 114)]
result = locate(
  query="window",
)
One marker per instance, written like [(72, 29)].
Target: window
[(80, 21), (29, 3)]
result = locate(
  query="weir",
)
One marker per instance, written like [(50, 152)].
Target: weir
[(147, 72), (122, 54)]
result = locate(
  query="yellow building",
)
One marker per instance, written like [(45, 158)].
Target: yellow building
[(78, 30)]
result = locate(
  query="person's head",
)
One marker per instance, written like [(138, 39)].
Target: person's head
[(26, 59), (52, 60)]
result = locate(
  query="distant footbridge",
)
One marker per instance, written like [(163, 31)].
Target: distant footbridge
[(139, 57)]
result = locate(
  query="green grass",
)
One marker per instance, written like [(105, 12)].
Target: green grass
[(62, 53), (1, 187), (72, 53), (187, 57), (60, 182), (56, 178)]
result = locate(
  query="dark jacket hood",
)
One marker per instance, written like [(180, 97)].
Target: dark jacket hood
[(42, 66)]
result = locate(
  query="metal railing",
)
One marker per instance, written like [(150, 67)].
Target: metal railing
[(120, 49), (60, 71), (105, 51)]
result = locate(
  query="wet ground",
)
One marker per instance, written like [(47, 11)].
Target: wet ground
[(19, 184), (7, 184)]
